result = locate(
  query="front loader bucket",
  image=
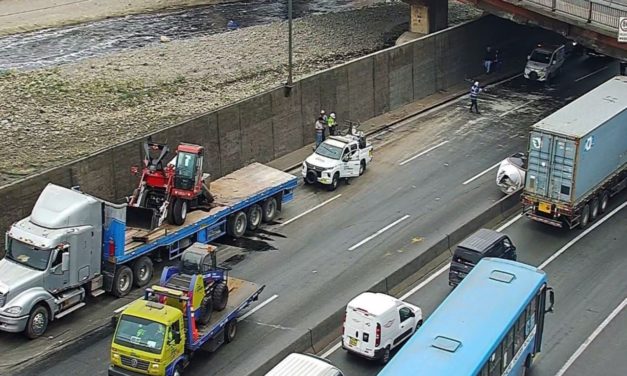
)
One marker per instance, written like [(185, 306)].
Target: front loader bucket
[(142, 217)]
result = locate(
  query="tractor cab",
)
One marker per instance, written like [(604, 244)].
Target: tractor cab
[(188, 167)]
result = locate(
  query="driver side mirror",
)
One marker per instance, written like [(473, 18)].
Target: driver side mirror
[(177, 337), (528, 57), (345, 158), (65, 261), (551, 300)]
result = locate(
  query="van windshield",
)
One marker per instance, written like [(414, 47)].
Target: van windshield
[(466, 256)]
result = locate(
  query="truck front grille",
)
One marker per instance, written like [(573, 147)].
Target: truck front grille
[(315, 168), (3, 299), (135, 363)]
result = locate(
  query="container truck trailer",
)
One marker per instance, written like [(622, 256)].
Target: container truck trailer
[(578, 158)]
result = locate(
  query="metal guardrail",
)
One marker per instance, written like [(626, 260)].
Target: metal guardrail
[(603, 13)]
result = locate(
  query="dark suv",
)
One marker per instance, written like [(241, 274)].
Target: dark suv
[(483, 243)]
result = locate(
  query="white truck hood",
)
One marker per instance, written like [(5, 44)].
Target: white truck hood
[(510, 177), (534, 65), (321, 161)]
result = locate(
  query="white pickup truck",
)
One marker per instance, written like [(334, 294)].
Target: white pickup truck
[(337, 157)]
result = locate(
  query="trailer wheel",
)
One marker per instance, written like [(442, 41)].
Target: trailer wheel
[(142, 271), (179, 211), (178, 370), (206, 309), (37, 322), (255, 215), (585, 217), (220, 296), (230, 331), (269, 210), (236, 224), (123, 281), (594, 209), (605, 199)]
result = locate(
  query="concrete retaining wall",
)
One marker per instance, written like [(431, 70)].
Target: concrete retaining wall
[(269, 125), (329, 329)]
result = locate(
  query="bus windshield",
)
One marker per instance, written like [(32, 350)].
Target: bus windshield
[(141, 334), (28, 255), (492, 318)]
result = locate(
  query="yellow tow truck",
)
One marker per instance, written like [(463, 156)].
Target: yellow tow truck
[(157, 334)]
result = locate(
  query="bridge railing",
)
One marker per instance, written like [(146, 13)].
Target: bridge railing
[(600, 12)]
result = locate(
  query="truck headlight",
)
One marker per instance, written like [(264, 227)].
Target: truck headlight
[(15, 310), (115, 356)]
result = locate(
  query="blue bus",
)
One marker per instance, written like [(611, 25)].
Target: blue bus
[(490, 325)]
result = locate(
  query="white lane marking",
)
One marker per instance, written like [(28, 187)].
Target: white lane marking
[(331, 350), (509, 223), (481, 173), (423, 153), (589, 340), (590, 74), (309, 211), (586, 232), (516, 108), (423, 284), (379, 232), (260, 306)]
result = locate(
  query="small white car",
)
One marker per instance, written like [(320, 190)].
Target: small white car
[(376, 323), (511, 174), (336, 158), (545, 63)]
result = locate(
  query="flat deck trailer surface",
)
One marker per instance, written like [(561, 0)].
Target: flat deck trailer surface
[(232, 193)]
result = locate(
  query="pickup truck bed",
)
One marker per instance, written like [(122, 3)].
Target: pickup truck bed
[(232, 192)]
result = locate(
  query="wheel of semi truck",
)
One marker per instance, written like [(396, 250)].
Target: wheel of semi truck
[(123, 281), (178, 370), (269, 209), (585, 217), (236, 224), (142, 271), (255, 215), (37, 322), (594, 209), (605, 199)]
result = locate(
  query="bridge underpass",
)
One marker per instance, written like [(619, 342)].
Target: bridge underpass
[(591, 23)]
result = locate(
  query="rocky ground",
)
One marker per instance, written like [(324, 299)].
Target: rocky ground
[(51, 116)]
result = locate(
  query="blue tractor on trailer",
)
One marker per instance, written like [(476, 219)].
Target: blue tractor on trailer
[(74, 244)]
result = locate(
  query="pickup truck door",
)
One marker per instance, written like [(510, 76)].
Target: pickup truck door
[(351, 167)]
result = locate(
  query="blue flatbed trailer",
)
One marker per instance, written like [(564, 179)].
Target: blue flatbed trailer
[(237, 192)]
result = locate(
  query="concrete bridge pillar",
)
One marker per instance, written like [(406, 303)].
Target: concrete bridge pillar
[(428, 16)]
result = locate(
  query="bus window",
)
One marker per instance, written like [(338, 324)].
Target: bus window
[(531, 315), (495, 363), (508, 348), (519, 334)]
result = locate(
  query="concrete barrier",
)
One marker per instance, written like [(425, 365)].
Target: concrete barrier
[(270, 125), (329, 328)]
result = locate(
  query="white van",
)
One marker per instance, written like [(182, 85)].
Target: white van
[(376, 323), (545, 63), (304, 365)]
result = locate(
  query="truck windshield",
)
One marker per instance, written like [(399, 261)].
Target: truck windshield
[(539, 56), (140, 334), (185, 165), (28, 255), (329, 151)]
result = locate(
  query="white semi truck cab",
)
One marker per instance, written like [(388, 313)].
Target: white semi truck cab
[(336, 158)]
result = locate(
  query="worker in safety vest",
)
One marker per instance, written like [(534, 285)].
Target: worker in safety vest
[(331, 123), (474, 93)]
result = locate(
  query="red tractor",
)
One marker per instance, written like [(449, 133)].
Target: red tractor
[(170, 191)]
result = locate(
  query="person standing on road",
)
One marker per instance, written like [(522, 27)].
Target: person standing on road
[(474, 93), (319, 131), (332, 124), (488, 59)]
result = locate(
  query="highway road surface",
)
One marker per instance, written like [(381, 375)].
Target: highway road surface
[(430, 175)]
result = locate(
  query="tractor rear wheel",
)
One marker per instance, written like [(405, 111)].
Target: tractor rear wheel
[(179, 211), (206, 309), (220, 296)]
